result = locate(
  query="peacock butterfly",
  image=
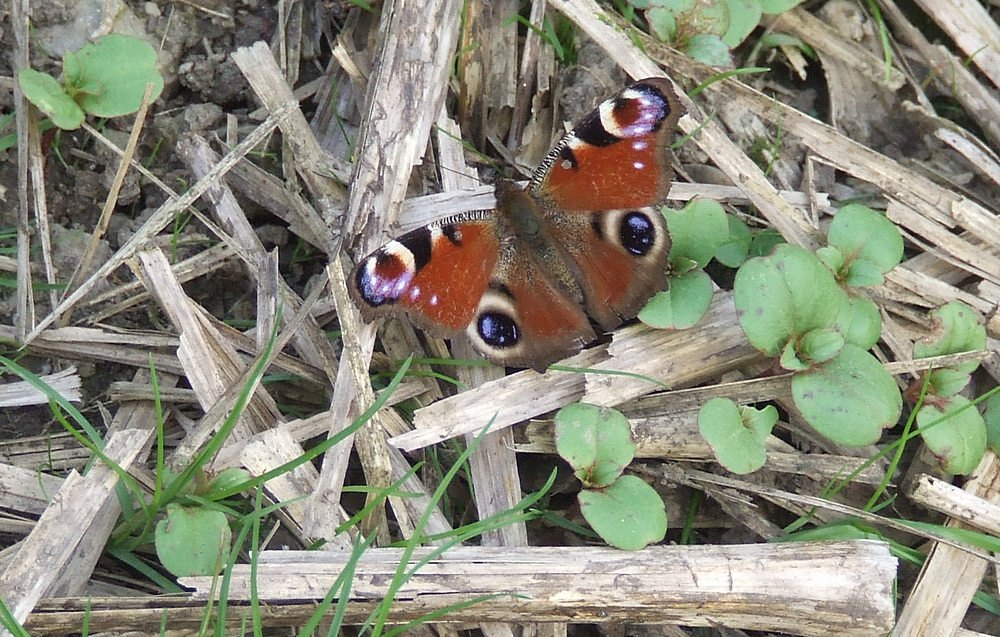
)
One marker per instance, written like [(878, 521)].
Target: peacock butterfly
[(581, 240)]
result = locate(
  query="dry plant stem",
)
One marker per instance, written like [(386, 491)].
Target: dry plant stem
[(527, 77), (826, 40), (162, 216), (715, 345), (414, 61), (950, 577), (823, 588), (420, 211), (321, 520), (311, 342), (131, 416), (22, 393), (110, 201), (677, 474), (973, 30), (25, 317), (221, 407), (211, 364), (949, 72), (50, 547), (593, 20), (957, 503), (675, 436), (26, 491)]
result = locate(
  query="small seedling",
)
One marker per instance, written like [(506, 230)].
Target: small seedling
[(106, 79), (707, 30), (804, 310), (736, 434), (597, 444), (951, 427)]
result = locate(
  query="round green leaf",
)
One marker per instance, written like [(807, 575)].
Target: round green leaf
[(595, 441), (744, 15), (871, 244), (709, 49), (789, 359), (959, 440), (192, 540), (734, 251), (947, 382), (859, 321), (228, 478), (662, 23), (710, 18), (697, 230), (783, 296), (832, 258), (992, 418), (764, 242), (774, 7), (819, 346), (849, 399), (861, 274), (121, 66), (736, 436), (629, 514), (682, 305), (48, 95), (956, 328)]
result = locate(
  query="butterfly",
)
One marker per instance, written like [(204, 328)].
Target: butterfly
[(580, 245)]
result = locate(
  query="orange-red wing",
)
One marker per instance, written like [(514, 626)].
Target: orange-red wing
[(435, 275)]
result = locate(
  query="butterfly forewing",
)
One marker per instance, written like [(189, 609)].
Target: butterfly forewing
[(435, 275), (615, 157)]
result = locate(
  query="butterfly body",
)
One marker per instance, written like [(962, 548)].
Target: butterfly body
[(580, 243)]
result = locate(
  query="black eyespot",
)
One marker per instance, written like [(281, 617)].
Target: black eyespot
[(498, 330), (637, 233)]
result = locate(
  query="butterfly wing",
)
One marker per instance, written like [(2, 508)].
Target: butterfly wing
[(435, 275), (597, 187), (616, 156), (526, 318), (471, 273)]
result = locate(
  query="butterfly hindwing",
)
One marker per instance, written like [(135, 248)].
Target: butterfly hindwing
[(620, 257)]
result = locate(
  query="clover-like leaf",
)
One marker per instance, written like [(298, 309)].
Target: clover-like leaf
[(709, 49), (954, 432), (744, 15), (121, 65), (991, 415), (849, 399), (783, 296), (697, 231), (870, 243), (956, 328), (859, 321), (736, 434), (192, 540), (629, 514), (680, 306), (819, 346), (50, 97), (734, 251), (595, 441)]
